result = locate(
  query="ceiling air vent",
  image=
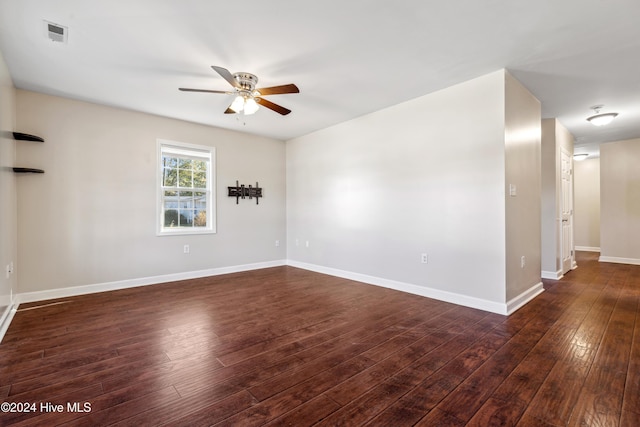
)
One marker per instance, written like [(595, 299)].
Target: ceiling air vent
[(55, 32)]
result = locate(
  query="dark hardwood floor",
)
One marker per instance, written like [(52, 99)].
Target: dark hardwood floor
[(284, 346)]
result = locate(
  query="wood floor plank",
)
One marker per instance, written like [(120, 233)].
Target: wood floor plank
[(600, 402), (116, 410), (557, 396), (480, 383), (366, 406), (417, 387), (439, 418), (631, 400), (497, 412), (244, 376), (29, 369), (629, 419), (285, 346), (48, 418), (178, 414), (58, 381), (308, 413)]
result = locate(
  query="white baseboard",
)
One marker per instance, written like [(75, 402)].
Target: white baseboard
[(553, 275), (143, 281), (587, 248), (617, 260), (5, 319), (464, 300), (519, 301)]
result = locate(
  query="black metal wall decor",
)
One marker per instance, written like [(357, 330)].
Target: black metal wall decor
[(243, 191)]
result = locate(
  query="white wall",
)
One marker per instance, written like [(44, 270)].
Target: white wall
[(555, 137), (426, 176), (620, 201), (8, 202), (90, 218), (522, 148), (587, 204)]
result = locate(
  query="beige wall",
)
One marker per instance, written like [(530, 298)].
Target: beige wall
[(587, 204), (550, 256), (555, 138), (620, 201), (90, 219), (522, 167), (366, 197), (8, 208)]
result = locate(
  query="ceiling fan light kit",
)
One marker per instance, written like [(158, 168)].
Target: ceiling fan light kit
[(244, 104), (248, 98), (601, 119)]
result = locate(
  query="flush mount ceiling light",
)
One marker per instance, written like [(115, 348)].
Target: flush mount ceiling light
[(601, 119), (580, 157)]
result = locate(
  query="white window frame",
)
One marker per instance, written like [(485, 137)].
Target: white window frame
[(194, 151)]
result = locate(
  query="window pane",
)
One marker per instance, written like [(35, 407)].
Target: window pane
[(169, 177), (200, 200), (200, 179), (200, 219), (182, 221), (184, 163), (170, 218), (186, 217), (185, 178), (170, 162), (200, 165)]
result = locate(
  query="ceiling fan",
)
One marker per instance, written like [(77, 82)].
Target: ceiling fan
[(248, 97)]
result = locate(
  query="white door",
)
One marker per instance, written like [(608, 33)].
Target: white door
[(567, 212)]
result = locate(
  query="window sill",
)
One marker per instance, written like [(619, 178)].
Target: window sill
[(185, 232)]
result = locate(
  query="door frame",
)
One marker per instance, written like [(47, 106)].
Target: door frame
[(567, 252)]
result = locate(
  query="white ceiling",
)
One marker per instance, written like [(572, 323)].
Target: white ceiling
[(348, 58)]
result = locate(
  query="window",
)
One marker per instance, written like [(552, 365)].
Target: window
[(185, 188)]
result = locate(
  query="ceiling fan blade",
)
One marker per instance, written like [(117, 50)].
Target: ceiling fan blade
[(275, 107), (229, 111), (227, 76), (278, 90), (186, 89)]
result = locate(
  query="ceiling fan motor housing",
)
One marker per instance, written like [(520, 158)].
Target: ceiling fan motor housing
[(246, 81)]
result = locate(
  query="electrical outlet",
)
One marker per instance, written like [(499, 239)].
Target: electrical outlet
[(277, 243), (522, 262), (424, 258), (307, 243), (187, 249)]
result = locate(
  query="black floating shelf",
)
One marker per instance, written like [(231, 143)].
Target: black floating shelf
[(26, 137), (27, 170)]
